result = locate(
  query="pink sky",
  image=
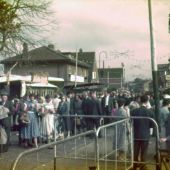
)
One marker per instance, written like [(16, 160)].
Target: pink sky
[(113, 26)]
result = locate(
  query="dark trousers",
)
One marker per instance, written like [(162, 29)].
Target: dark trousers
[(106, 113), (66, 124), (140, 151)]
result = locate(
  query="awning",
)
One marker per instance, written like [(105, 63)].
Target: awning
[(41, 85)]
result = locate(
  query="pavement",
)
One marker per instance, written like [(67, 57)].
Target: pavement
[(43, 160)]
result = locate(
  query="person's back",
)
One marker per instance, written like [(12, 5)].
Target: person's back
[(142, 125), (141, 128)]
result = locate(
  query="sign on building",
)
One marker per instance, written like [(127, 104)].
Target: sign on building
[(74, 78), (40, 77)]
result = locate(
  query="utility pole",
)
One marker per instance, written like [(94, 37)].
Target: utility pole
[(108, 77), (75, 83), (154, 76), (169, 23), (154, 64)]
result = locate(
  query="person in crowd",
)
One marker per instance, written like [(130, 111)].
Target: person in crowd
[(166, 137), (70, 100), (30, 132), (162, 97), (135, 103), (94, 110), (164, 114), (6, 122), (39, 109), (122, 129), (141, 128), (113, 94), (56, 102), (47, 123), (21, 110), (86, 101), (128, 123), (16, 104), (78, 111), (107, 105), (64, 123)]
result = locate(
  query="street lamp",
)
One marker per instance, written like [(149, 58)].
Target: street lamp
[(105, 52)]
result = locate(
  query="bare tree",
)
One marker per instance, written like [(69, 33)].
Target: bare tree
[(23, 21)]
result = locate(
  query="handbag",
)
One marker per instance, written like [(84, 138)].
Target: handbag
[(3, 112), (24, 119), (78, 121)]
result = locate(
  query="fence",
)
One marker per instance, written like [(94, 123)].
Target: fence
[(98, 148)]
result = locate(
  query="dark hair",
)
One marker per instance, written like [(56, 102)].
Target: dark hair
[(47, 97), (31, 95), (165, 102), (144, 99), (120, 102), (127, 102)]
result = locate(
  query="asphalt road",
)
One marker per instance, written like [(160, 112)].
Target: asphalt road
[(44, 159)]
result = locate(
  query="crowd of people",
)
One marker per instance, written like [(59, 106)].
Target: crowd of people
[(36, 118)]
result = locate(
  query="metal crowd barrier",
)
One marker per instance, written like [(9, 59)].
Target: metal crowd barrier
[(95, 147)]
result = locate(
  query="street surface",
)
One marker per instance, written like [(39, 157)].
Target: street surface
[(44, 159)]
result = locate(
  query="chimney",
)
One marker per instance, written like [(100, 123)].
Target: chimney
[(51, 46)]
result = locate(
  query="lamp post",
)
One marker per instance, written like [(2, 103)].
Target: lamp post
[(105, 52), (123, 75)]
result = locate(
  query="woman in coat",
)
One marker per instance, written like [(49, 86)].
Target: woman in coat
[(120, 139)]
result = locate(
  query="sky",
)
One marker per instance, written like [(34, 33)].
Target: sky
[(117, 30)]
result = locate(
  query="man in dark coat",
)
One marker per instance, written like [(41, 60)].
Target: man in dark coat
[(86, 102), (106, 105), (95, 110), (141, 127), (6, 122)]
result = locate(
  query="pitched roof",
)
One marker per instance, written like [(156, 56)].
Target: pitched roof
[(43, 54), (87, 57)]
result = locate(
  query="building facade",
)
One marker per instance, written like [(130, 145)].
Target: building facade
[(52, 62), (112, 77)]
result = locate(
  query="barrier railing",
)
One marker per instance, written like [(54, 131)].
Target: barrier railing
[(98, 147)]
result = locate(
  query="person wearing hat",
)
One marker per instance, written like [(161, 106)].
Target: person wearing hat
[(6, 122)]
